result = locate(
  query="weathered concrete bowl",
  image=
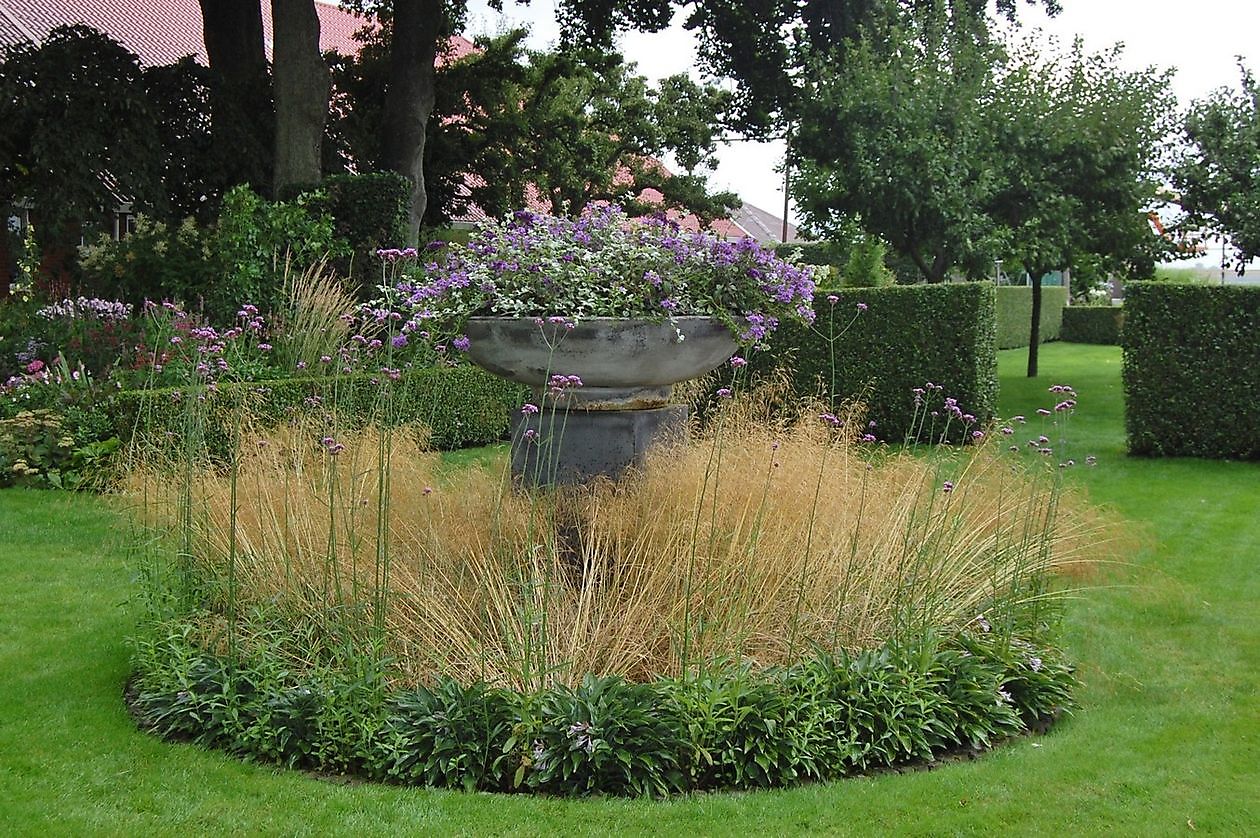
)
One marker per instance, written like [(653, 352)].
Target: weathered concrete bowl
[(623, 364)]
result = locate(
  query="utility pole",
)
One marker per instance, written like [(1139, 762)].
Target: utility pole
[(787, 182)]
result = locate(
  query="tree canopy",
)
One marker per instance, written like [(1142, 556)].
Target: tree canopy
[(76, 128), (566, 128), (1079, 163), (1218, 173), (897, 137)]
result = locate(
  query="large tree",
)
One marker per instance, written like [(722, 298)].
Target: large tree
[(242, 115), (302, 82), (896, 137), (77, 133), (565, 128), (416, 29), (1218, 174), (766, 46), (1080, 142)]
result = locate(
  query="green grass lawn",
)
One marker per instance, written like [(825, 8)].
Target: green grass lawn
[(1167, 740)]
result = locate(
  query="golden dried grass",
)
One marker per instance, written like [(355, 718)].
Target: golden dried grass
[(757, 542)]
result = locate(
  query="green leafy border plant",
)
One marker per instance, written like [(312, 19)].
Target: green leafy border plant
[(828, 717)]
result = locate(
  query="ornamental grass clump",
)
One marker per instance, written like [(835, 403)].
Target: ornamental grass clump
[(758, 544), (605, 264)]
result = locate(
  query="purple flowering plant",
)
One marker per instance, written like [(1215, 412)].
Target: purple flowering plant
[(604, 264)]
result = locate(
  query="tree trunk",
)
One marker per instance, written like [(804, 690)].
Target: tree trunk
[(1034, 330), (409, 98), (240, 107), (302, 82), (933, 273)]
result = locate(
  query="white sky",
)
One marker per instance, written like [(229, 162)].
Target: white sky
[(1199, 38)]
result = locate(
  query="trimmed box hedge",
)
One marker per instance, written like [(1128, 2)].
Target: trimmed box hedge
[(462, 406), (909, 335), (1192, 370), (1014, 314), (1092, 324)]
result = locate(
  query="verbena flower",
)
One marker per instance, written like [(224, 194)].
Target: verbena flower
[(604, 264)]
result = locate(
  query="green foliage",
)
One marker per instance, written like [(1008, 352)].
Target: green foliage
[(832, 253), (736, 722), (460, 406), (1081, 140), (1192, 370), (369, 211), (37, 449), (865, 266), (451, 736), (746, 42), (896, 137), (606, 736), (1215, 175), (253, 240), (19, 344), (74, 117), (1014, 312), (727, 728), (155, 262), (1092, 324), (241, 259), (194, 173), (570, 127), (908, 336), (255, 706)]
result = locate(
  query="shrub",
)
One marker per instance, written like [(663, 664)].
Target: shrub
[(461, 406), (1092, 324), (243, 258), (37, 449), (1192, 370), (155, 262), (369, 211), (253, 241), (92, 334), (451, 736), (607, 736), (865, 267), (908, 335), (1014, 314), (728, 728), (19, 341)]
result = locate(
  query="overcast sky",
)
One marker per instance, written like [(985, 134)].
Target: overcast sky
[(1200, 39)]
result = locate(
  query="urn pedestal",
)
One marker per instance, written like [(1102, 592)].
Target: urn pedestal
[(627, 370)]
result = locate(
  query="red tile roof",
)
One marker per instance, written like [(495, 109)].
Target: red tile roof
[(160, 33)]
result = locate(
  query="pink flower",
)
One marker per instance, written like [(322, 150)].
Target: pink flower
[(34, 366)]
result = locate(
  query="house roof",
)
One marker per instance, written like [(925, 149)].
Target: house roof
[(764, 226), (160, 33), (163, 33)]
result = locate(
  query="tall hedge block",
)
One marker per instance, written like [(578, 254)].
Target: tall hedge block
[(1092, 324), (907, 336), (1192, 370), (1014, 314)]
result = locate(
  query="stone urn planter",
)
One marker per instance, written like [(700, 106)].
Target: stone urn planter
[(627, 370)]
